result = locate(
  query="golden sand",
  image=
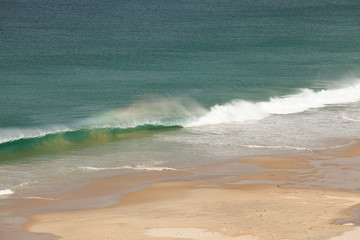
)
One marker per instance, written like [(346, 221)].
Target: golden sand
[(237, 208)]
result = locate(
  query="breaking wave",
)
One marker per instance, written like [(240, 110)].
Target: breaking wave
[(143, 118), (239, 110)]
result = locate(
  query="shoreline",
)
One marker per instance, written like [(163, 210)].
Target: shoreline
[(277, 173)]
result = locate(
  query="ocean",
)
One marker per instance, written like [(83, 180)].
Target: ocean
[(96, 89)]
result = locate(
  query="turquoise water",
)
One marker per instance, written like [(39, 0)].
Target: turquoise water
[(103, 87)]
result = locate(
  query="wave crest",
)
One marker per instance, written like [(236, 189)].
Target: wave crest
[(168, 114), (239, 111), (13, 134)]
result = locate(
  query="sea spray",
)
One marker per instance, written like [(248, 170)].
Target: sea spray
[(239, 111), (142, 118), (138, 116), (81, 138), (162, 112)]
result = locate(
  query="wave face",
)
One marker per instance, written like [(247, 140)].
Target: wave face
[(140, 119), (59, 141), (137, 120)]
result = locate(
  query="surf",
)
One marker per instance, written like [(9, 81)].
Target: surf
[(143, 119), (79, 138), (239, 111)]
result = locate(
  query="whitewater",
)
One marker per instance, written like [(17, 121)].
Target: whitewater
[(174, 133), (188, 113), (239, 110)]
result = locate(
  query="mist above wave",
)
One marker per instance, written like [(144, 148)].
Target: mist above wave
[(190, 113)]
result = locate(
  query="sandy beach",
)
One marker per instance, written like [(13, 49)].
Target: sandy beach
[(286, 198), (183, 119), (182, 210)]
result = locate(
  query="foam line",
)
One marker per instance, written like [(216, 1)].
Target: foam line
[(277, 147), (239, 111), (13, 134), (6, 192), (188, 113), (128, 168)]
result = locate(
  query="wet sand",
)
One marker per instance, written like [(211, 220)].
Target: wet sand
[(297, 197)]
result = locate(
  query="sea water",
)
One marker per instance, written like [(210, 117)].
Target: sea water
[(94, 89)]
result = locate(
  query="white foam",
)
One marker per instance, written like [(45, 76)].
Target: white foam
[(333, 147), (188, 113), (240, 111), (41, 198), (6, 192), (24, 184), (13, 134), (163, 112), (277, 147), (350, 119), (139, 167)]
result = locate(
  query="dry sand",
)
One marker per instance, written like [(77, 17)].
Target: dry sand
[(238, 208), (181, 210)]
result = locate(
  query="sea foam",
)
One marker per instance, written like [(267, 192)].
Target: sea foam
[(239, 111), (6, 192), (128, 168), (189, 113), (350, 119), (13, 134)]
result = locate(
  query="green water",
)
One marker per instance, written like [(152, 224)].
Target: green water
[(65, 60), (177, 83)]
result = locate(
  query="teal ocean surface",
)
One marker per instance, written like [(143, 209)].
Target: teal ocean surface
[(94, 89)]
